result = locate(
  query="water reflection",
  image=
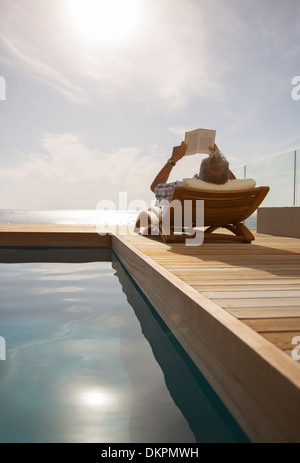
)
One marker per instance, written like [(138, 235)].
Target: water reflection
[(79, 368), (96, 399), (207, 417)]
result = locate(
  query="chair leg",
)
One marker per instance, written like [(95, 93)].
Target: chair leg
[(245, 232), (137, 225), (211, 229), (239, 230)]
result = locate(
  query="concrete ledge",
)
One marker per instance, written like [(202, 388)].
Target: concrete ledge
[(279, 221)]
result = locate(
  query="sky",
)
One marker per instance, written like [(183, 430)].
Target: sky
[(95, 94)]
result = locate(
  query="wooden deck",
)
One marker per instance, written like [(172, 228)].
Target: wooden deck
[(51, 235), (259, 283), (234, 307)]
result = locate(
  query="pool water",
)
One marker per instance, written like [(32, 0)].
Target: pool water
[(89, 360)]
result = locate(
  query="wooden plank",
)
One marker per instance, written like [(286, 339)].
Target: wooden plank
[(264, 312), (289, 352), (283, 340), (210, 287), (256, 279), (273, 324), (230, 260), (193, 269), (286, 294), (207, 249), (76, 254), (285, 283), (262, 302), (60, 236)]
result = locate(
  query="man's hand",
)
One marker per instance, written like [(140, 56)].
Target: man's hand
[(179, 152), (213, 149), (163, 174)]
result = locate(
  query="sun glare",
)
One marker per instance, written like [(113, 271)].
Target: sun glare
[(104, 20)]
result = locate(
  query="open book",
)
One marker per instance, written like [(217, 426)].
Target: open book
[(199, 140)]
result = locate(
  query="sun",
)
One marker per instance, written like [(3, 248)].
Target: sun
[(104, 20)]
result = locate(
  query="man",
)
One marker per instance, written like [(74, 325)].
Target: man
[(214, 169)]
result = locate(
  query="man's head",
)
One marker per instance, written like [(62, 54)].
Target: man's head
[(214, 169)]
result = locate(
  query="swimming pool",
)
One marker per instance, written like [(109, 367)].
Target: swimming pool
[(88, 359)]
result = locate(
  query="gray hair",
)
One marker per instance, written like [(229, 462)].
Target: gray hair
[(214, 169)]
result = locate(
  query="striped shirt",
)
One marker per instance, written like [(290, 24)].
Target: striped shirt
[(164, 191)]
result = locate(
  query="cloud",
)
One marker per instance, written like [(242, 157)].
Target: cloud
[(227, 65), (68, 172), (179, 130)]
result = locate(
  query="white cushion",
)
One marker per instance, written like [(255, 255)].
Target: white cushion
[(236, 184)]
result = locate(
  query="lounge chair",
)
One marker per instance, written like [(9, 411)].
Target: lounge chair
[(225, 206)]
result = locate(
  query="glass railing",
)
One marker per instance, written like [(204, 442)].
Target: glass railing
[(281, 173), (297, 179)]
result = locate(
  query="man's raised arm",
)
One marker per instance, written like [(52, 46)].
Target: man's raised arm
[(163, 174)]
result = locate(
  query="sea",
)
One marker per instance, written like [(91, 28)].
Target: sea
[(68, 217), (80, 217)]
